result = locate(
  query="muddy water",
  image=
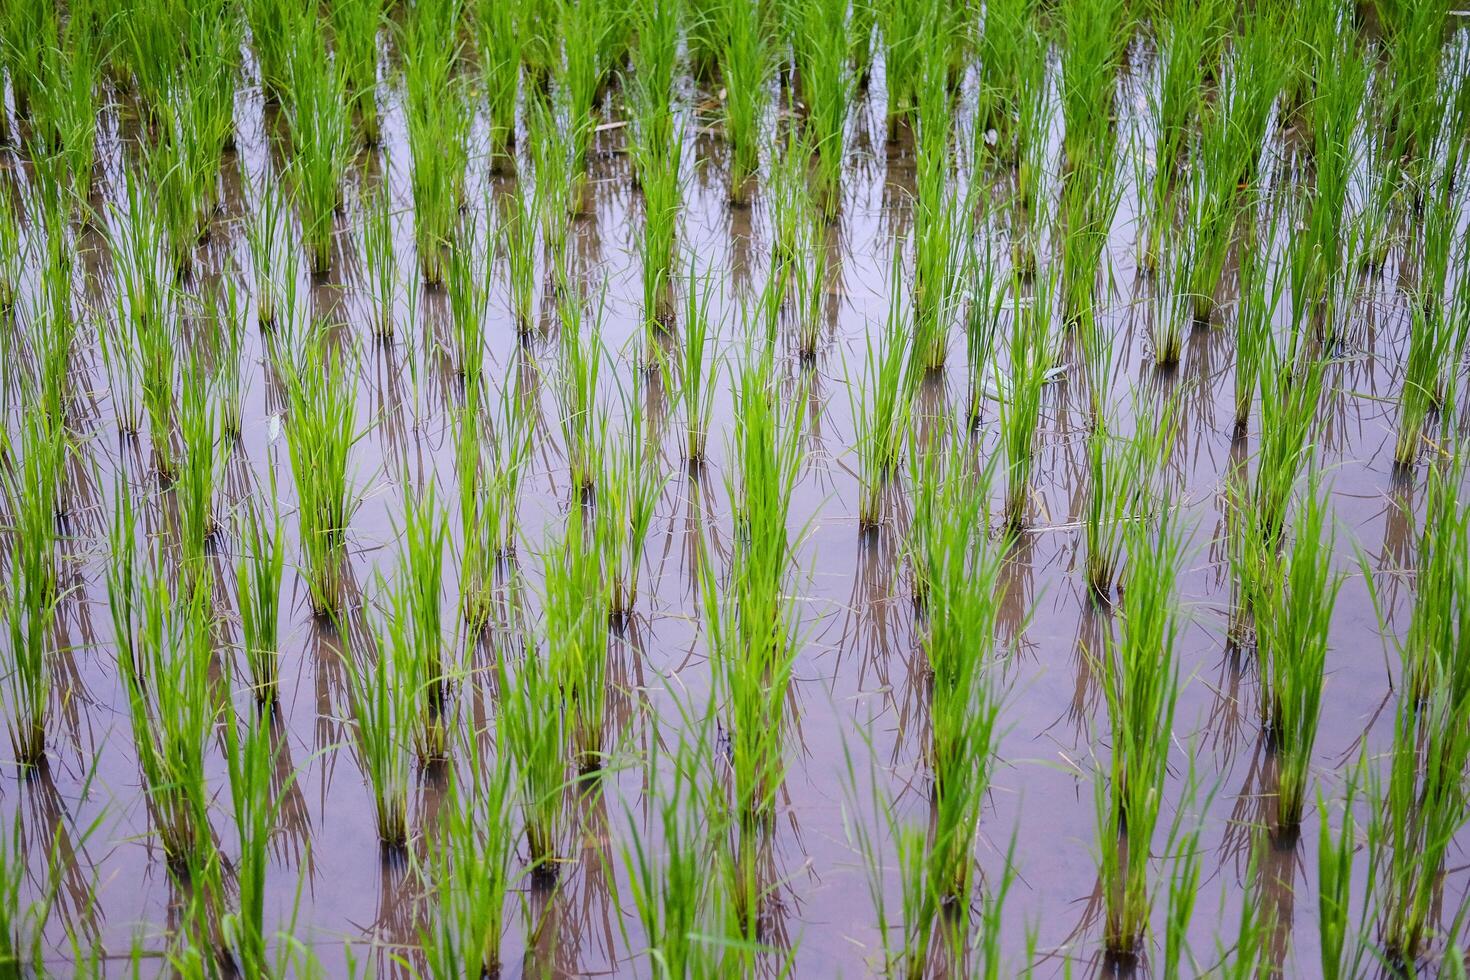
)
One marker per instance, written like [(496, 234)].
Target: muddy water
[(858, 683)]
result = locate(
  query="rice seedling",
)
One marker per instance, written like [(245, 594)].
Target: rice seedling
[(499, 34), (472, 868), (380, 258), (750, 629), (657, 151), (65, 106), (1090, 196), (249, 758), (1290, 391), (942, 222), (1123, 486), (1260, 296), (881, 406), (227, 379), (1012, 66), (697, 367), (518, 243), (414, 629), (1341, 953), (1141, 686), (30, 477), (821, 49), (965, 592), (1432, 647), (491, 463), (355, 26), (12, 255), (262, 233), (579, 597), (437, 112), (535, 740), (1019, 387), (320, 432), (466, 277), (273, 27), (1094, 36), (746, 64), (579, 369), (1294, 612), (171, 704), (382, 703), (628, 490), (199, 468), (1415, 817), (321, 140), (668, 872), (258, 588)]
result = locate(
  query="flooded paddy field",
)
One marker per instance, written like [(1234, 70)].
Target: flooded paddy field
[(562, 488)]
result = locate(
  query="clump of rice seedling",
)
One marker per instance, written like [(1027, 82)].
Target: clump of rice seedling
[(1094, 36), (1290, 389), (881, 405), (1341, 957), (942, 222), (697, 368), (355, 26), (577, 602), (250, 759), (12, 255), (628, 490), (657, 150), (171, 704), (499, 41), (965, 593), (1416, 816), (382, 702), (1260, 295), (1294, 611), (1435, 341), (821, 53), (746, 63), (320, 432), (1141, 687), (262, 233), (30, 475), (586, 29), (472, 867), (228, 356), (379, 257), (579, 369), (901, 25), (1090, 197), (438, 115), (751, 628), (491, 462), (1123, 487), (1317, 258), (321, 140), (670, 879), (199, 468), (466, 281), (518, 243), (414, 630), (1433, 648), (148, 329), (535, 740), (1019, 388), (258, 586), (1011, 72)]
